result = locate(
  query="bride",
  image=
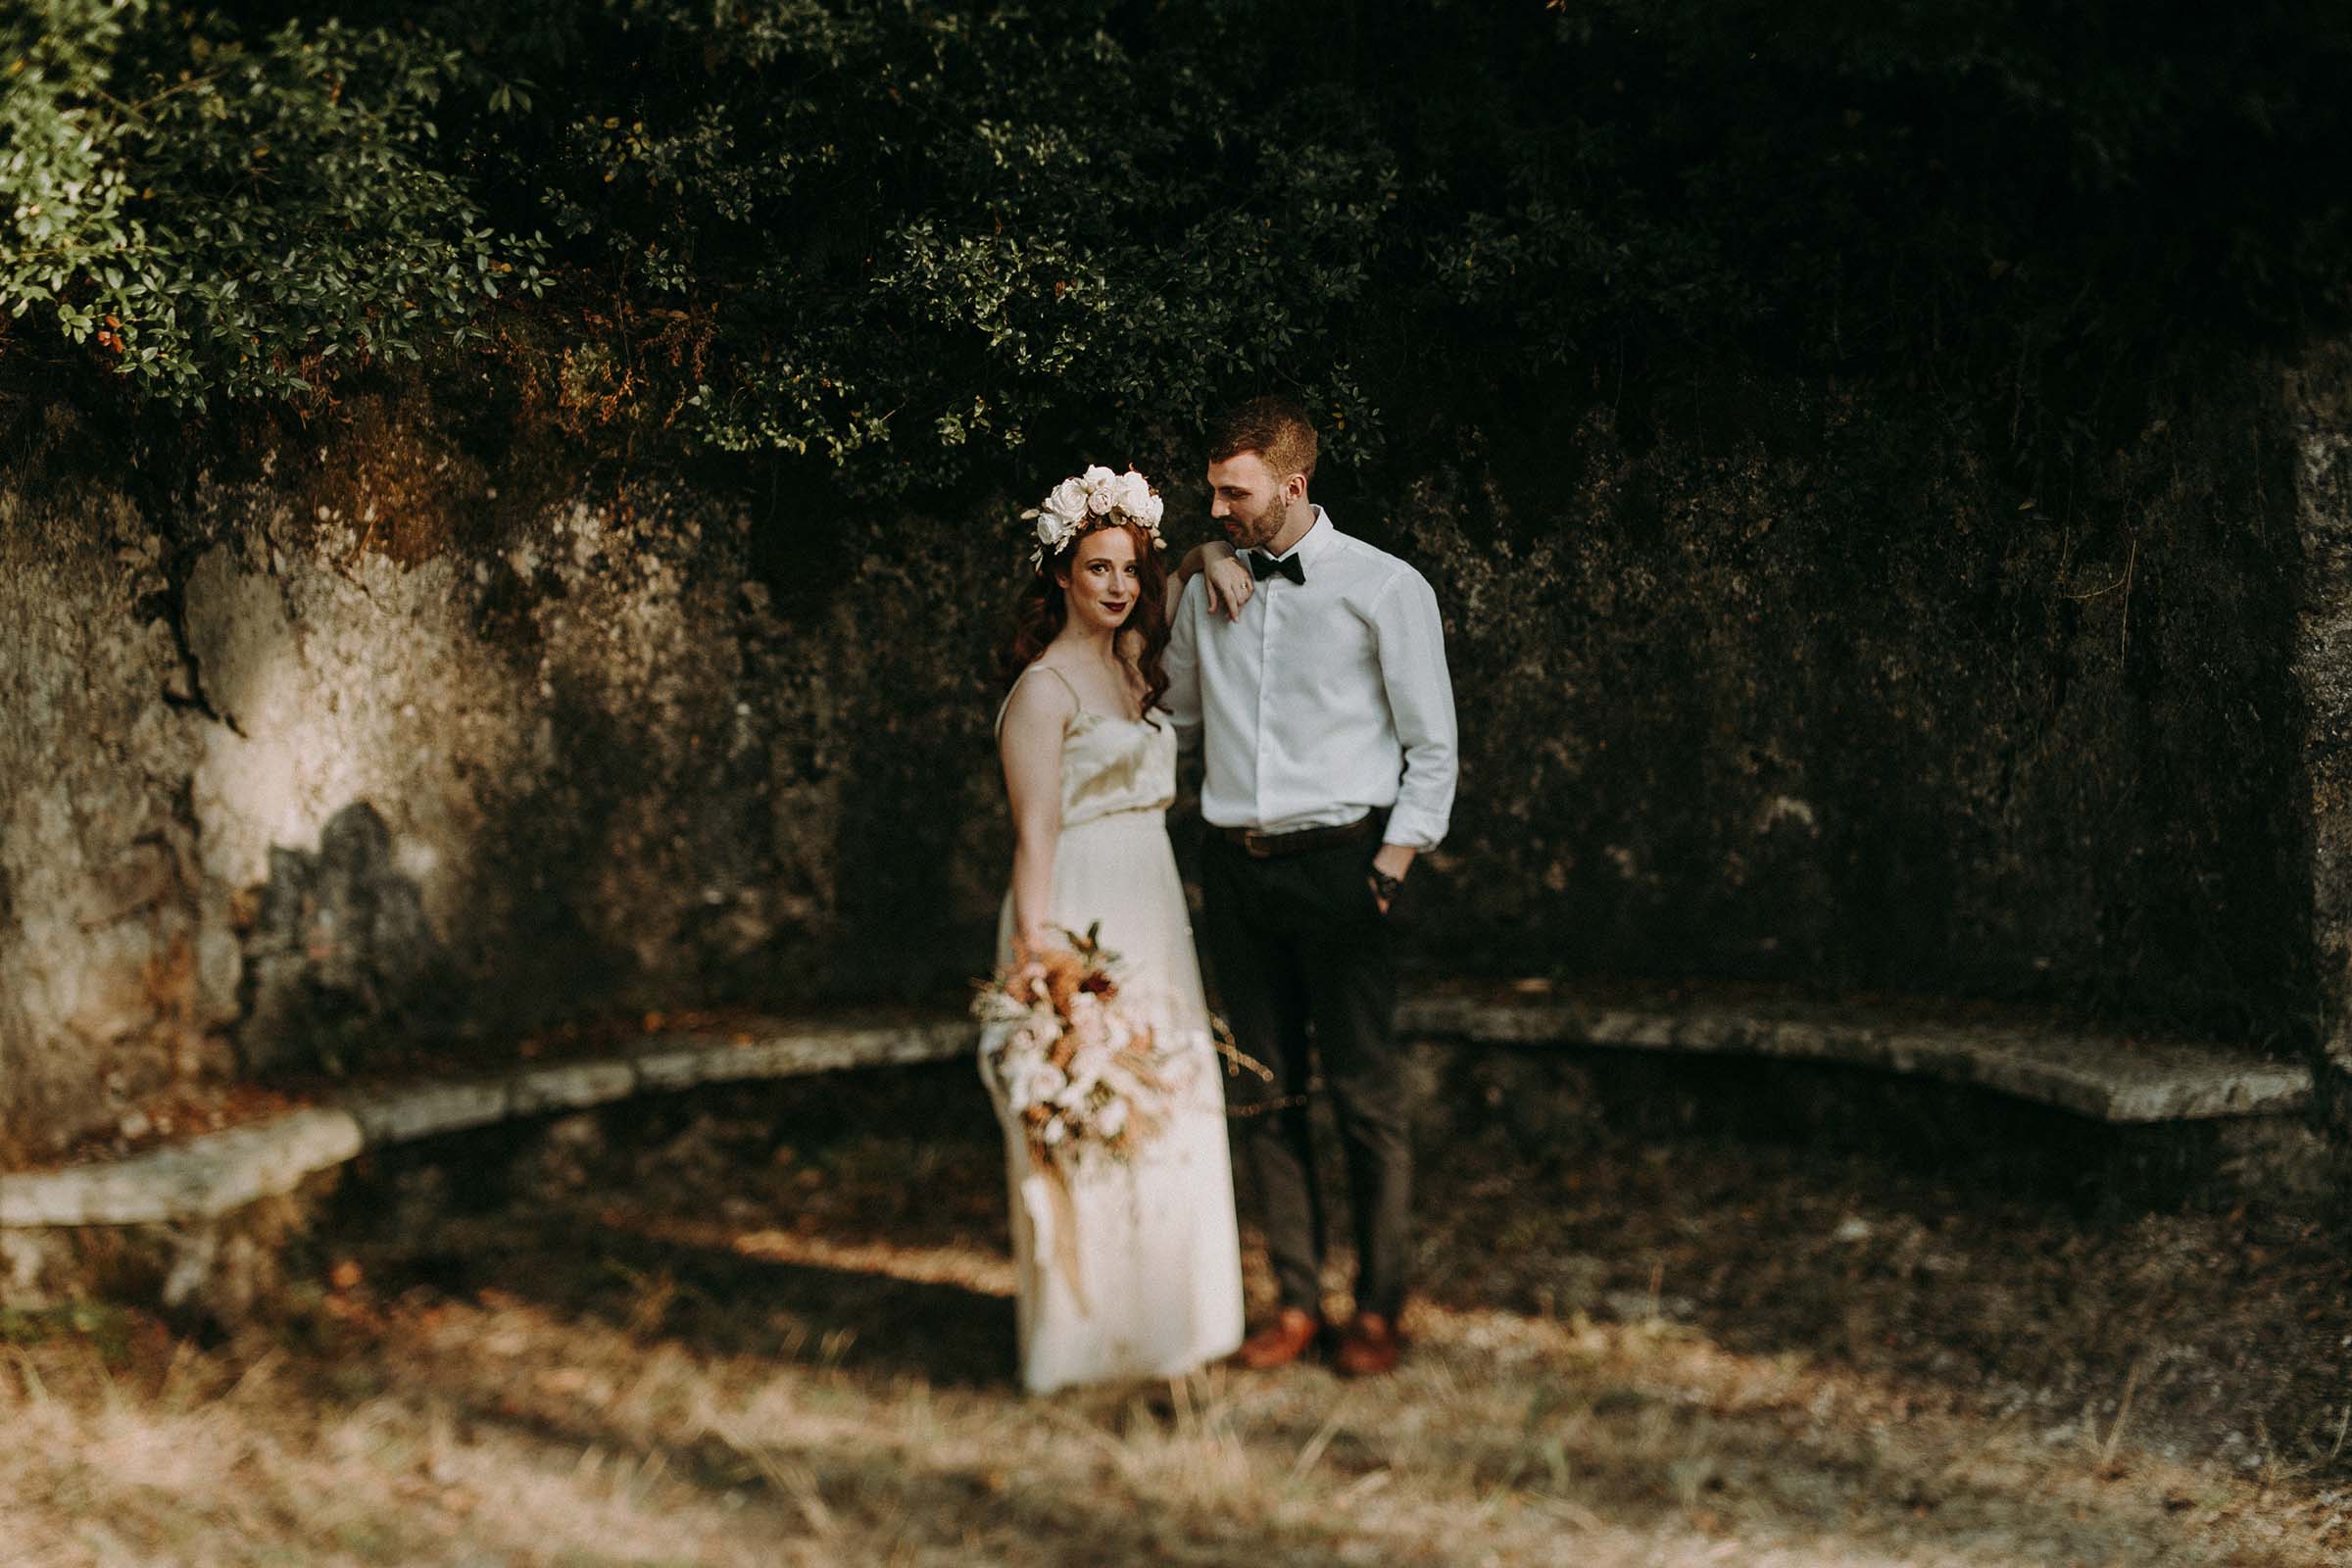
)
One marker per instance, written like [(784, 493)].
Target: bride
[(1150, 1282)]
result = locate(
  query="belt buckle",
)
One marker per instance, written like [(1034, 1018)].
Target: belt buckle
[(1257, 842)]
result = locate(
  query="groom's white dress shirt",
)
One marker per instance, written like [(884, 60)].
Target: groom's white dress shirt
[(1326, 699)]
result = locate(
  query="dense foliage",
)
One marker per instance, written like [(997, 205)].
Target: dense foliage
[(912, 237), (221, 210)]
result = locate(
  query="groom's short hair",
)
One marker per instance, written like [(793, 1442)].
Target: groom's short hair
[(1276, 428)]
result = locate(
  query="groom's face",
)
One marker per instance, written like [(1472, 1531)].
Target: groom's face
[(1245, 496)]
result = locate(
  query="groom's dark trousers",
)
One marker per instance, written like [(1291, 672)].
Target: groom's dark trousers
[(1305, 976)]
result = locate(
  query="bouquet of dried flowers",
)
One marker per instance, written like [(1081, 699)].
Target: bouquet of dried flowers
[(1076, 1069), (1076, 1066)]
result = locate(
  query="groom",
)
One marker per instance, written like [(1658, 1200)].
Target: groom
[(1327, 723)]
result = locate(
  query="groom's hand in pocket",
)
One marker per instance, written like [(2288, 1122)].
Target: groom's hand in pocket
[(1387, 875)]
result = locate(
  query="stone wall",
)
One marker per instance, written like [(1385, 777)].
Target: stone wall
[(112, 976), (2319, 392), (452, 788), (353, 746), (400, 732), (1795, 686)]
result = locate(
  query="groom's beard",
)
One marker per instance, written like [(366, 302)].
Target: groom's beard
[(1255, 534)]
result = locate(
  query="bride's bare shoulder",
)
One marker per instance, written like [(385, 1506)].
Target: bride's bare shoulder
[(1042, 697)]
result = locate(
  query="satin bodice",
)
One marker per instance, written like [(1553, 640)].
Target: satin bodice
[(1111, 764)]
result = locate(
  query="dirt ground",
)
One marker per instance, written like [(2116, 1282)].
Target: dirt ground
[(774, 1326)]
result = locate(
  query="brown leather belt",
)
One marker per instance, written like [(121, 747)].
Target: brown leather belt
[(1263, 845)]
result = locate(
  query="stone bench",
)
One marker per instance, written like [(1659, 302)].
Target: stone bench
[(213, 1174), (176, 1196), (2107, 1077)]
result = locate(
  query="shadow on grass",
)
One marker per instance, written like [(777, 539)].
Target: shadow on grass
[(716, 1302), (1961, 1288)]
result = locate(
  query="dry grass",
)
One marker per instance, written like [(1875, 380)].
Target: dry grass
[(699, 1345)]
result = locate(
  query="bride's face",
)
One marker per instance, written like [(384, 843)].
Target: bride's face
[(1105, 579)]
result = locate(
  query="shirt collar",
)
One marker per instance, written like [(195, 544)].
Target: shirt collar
[(1312, 543)]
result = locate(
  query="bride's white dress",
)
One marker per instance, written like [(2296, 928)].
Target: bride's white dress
[(1156, 1250)]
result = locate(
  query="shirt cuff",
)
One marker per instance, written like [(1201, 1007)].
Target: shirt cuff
[(1413, 830)]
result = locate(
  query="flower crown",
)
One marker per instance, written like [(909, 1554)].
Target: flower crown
[(1094, 499)]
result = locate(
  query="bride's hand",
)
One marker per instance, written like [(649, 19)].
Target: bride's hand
[(1229, 583)]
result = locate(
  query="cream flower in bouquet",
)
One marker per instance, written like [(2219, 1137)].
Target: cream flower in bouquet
[(1077, 1070)]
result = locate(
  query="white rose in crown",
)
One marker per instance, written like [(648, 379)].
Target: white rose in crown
[(1095, 496), (1134, 493)]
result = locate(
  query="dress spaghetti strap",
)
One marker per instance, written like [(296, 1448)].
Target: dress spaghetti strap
[(1024, 675)]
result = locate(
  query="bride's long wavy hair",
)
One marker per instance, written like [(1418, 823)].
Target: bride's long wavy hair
[(1044, 608)]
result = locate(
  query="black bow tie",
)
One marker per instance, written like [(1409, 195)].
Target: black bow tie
[(1263, 566)]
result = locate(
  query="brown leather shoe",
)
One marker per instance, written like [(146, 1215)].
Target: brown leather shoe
[(1368, 1347), (1281, 1341)]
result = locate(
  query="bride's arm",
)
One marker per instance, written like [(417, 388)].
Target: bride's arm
[(1030, 747), (1229, 583)]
